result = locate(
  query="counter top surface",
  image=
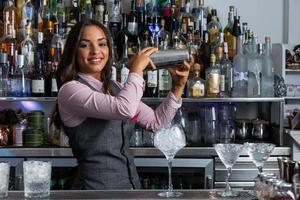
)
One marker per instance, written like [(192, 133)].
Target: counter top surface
[(132, 194), (193, 152)]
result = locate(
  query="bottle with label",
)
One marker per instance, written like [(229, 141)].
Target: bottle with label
[(53, 78), (38, 81), (98, 11), (267, 72), (228, 36), (214, 28), (164, 82), (151, 88), (240, 72), (213, 78), (163, 37), (44, 16), (219, 58), (196, 85)]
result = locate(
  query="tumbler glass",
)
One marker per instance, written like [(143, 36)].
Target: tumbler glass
[(4, 179)]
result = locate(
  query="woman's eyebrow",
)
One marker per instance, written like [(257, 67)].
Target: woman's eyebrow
[(87, 40)]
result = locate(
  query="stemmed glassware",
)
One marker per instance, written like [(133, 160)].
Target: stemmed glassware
[(228, 153), (169, 142), (259, 153)]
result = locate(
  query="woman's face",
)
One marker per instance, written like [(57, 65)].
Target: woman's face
[(93, 51)]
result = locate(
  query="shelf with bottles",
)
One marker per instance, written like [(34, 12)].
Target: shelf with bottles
[(213, 100)]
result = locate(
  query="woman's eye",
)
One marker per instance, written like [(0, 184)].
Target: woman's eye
[(102, 44), (83, 45)]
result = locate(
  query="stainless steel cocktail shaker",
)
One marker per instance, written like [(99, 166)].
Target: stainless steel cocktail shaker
[(169, 58)]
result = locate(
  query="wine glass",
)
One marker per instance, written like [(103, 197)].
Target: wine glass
[(169, 142), (228, 153), (259, 153)]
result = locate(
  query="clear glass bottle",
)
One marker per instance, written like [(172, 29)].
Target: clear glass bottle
[(196, 85), (99, 11), (151, 87), (124, 71), (61, 13), (28, 47), (267, 72), (214, 28), (226, 70), (115, 20), (10, 16), (27, 15), (4, 74), (44, 16), (57, 45), (254, 63), (240, 72), (213, 78), (163, 37)]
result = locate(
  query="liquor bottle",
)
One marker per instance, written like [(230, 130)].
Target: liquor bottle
[(85, 10), (124, 71), (151, 87), (219, 59), (4, 74), (164, 82), (47, 41), (27, 47), (115, 20), (53, 78), (38, 79), (228, 36), (57, 45), (21, 78), (204, 55), (166, 11), (254, 64), (146, 35), (163, 37), (44, 16), (226, 69), (132, 31), (196, 85), (105, 16), (120, 37), (27, 15), (236, 31), (199, 14), (61, 13), (53, 10), (10, 16), (240, 72), (8, 39), (99, 11), (213, 78), (267, 72), (214, 28)]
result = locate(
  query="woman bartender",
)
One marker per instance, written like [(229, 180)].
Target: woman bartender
[(92, 108)]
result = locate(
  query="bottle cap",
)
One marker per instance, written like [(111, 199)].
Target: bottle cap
[(20, 59), (3, 57)]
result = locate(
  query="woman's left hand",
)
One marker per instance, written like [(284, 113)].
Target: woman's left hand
[(180, 76)]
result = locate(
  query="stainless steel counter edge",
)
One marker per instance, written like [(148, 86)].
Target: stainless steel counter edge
[(190, 152), (129, 194)]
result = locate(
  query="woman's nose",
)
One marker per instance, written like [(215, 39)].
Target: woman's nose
[(95, 49)]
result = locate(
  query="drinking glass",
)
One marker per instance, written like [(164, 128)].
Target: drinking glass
[(4, 179), (37, 176), (169, 142), (259, 153), (228, 153)]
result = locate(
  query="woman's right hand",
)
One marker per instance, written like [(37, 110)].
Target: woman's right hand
[(141, 60)]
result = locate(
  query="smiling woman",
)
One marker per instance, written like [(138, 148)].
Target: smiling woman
[(93, 115), (93, 51)]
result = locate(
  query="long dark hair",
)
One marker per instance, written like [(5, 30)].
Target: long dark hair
[(68, 66)]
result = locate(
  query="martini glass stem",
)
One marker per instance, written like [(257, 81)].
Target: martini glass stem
[(228, 188), (170, 188)]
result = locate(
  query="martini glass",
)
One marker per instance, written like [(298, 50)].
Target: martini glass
[(228, 153), (259, 153), (169, 142)]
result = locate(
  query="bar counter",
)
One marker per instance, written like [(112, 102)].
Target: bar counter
[(191, 152), (129, 194)]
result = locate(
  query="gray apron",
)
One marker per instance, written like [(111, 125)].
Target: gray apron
[(101, 148)]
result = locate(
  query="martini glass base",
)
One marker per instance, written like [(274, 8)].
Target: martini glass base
[(228, 194), (169, 194)]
